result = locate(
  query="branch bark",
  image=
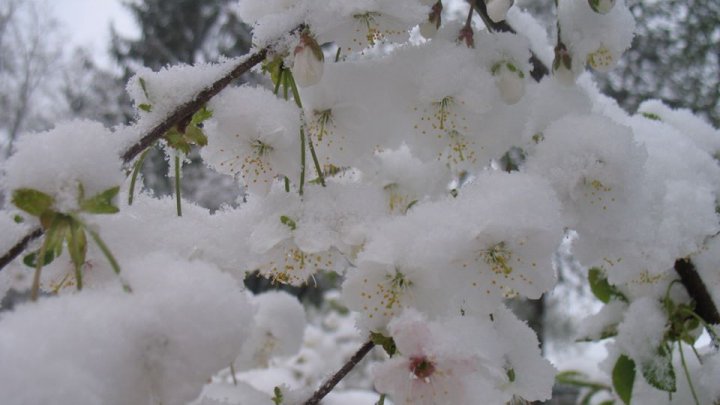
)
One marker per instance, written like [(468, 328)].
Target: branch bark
[(704, 305), (340, 374)]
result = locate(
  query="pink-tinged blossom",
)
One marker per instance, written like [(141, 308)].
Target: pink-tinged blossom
[(428, 371)]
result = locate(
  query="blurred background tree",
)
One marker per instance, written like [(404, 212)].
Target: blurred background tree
[(675, 57)]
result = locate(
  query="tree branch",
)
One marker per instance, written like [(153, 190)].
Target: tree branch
[(704, 305), (181, 113), (20, 247), (335, 379), (186, 111), (539, 69)]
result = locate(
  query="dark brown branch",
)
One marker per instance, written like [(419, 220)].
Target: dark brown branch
[(20, 247), (186, 111), (704, 305), (335, 379), (539, 69)]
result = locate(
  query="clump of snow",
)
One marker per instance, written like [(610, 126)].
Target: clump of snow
[(183, 322), (278, 330), (57, 162)]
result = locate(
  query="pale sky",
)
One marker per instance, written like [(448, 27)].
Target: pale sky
[(86, 23)]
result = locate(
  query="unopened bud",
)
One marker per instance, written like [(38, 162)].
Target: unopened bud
[(430, 27), (308, 61), (510, 81), (562, 65), (497, 9)]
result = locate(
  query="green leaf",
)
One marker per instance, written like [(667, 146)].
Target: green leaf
[(77, 243), (32, 201), (101, 203), (203, 114), (18, 219), (659, 372), (145, 107), (386, 342), (195, 135), (278, 398), (30, 259), (143, 86), (601, 288), (511, 374), (288, 221), (623, 378)]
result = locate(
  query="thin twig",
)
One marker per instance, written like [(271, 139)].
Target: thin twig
[(337, 377), (20, 247)]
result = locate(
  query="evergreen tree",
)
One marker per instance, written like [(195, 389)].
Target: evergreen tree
[(675, 57), (180, 31)]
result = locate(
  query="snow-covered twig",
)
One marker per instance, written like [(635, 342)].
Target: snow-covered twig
[(340, 374)]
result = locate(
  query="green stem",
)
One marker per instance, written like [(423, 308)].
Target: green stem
[(103, 247), (337, 55), (293, 87), (287, 184), (687, 373), (35, 290), (302, 160), (316, 162), (232, 373), (280, 80), (136, 170), (177, 186)]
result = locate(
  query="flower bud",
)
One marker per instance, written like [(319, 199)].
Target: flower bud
[(510, 81), (602, 60), (601, 6), (562, 65), (497, 9), (430, 27), (308, 61)]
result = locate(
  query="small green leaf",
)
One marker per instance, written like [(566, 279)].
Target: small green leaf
[(511, 374), (203, 114), (30, 259), (623, 378), (601, 288), (32, 201), (77, 243), (651, 116), (143, 86), (278, 397), (195, 135), (18, 219), (101, 203), (288, 221), (145, 107), (659, 372), (386, 342)]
